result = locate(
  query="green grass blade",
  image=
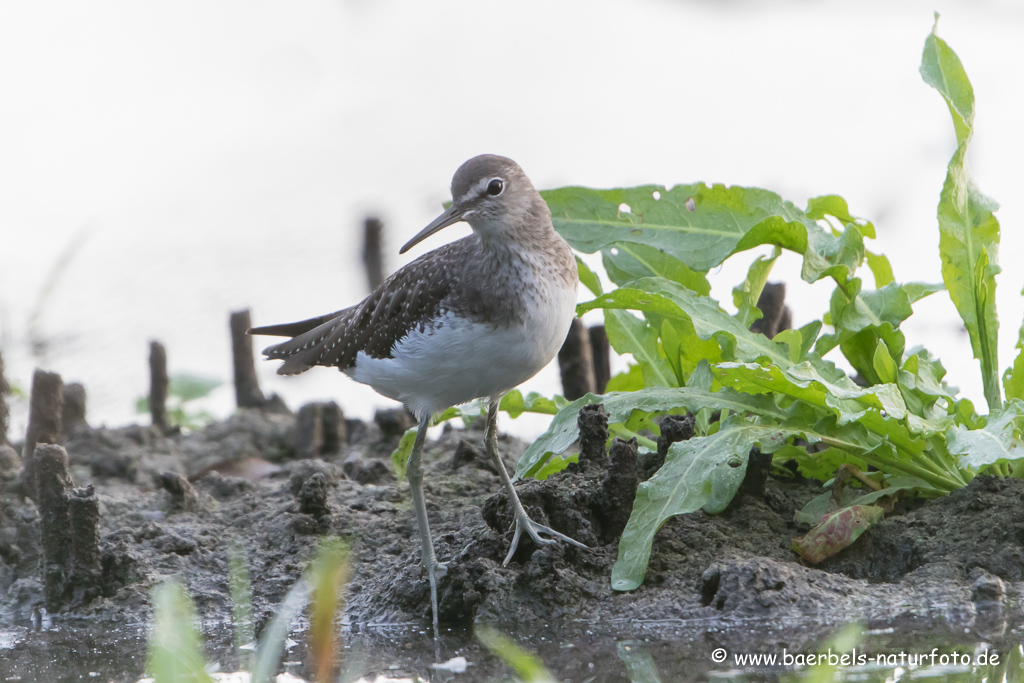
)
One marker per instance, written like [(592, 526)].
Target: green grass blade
[(241, 604), (528, 666), (175, 652)]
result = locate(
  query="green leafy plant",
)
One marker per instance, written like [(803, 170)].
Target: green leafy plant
[(785, 395), (182, 389), (175, 651)]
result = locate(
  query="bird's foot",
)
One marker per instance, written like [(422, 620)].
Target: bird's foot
[(435, 571), (534, 531)]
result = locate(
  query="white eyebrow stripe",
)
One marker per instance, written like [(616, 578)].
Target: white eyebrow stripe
[(475, 190)]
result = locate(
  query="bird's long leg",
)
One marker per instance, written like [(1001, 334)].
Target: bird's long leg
[(522, 520), (414, 470)]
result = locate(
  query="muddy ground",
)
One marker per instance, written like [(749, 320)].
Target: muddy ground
[(951, 564)]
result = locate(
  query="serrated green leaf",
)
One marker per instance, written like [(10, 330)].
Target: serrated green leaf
[(629, 334), (726, 220), (746, 295), (703, 472), (591, 220), (890, 305), (880, 268), (884, 365), (807, 383), (998, 440), (666, 298), (833, 256), (563, 430), (1013, 378), (968, 228), (835, 206), (627, 261)]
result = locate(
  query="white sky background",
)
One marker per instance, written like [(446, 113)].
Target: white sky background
[(223, 155)]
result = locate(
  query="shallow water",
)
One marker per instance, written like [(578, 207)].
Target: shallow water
[(654, 652)]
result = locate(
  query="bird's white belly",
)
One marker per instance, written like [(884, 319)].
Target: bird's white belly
[(460, 360)]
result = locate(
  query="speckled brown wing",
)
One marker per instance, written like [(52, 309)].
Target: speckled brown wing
[(411, 298)]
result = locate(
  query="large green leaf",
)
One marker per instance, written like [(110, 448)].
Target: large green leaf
[(591, 220), (656, 295), (704, 472), (563, 430), (724, 221), (968, 229)]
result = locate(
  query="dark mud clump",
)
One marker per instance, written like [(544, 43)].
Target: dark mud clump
[(172, 504)]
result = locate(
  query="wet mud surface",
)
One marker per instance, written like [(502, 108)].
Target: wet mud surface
[(177, 505)]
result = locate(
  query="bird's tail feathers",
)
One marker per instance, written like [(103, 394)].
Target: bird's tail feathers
[(305, 349)]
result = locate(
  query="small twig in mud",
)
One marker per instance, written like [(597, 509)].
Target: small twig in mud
[(601, 351), (86, 571), (775, 314), (46, 408), (320, 429), (373, 251), (576, 362), (183, 495), (618, 490), (674, 428), (158, 384), (52, 485), (593, 425), (309, 432), (73, 414), (247, 388)]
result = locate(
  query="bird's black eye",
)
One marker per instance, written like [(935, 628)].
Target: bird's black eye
[(495, 187)]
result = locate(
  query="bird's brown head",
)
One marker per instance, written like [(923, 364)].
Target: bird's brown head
[(495, 197)]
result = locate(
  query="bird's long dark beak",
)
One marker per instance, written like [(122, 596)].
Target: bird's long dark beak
[(452, 215)]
